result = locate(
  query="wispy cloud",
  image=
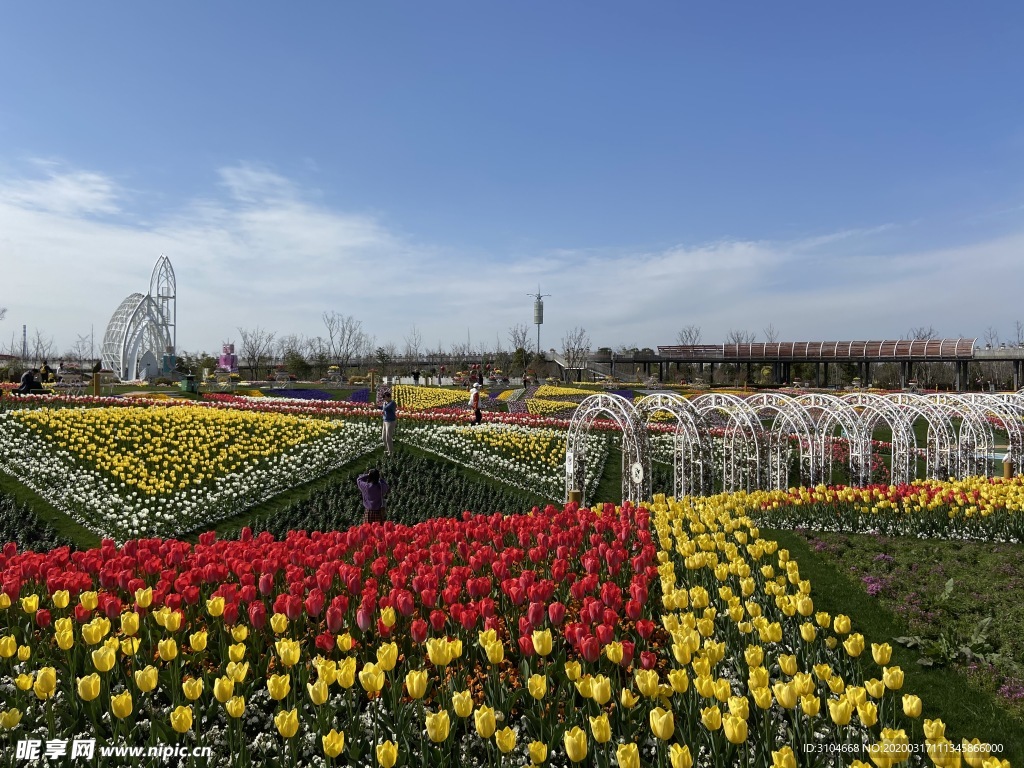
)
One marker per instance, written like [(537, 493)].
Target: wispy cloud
[(257, 250)]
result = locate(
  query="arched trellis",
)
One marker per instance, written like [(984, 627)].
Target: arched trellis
[(827, 412), (1009, 411), (742, 442), (691, 471), (636, 460), (873, 409), (940, 438), (975, 441), (789, 419)]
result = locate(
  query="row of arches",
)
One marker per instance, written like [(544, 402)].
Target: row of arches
[(721, 441)]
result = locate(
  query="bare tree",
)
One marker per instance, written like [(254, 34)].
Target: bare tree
[(81, 349), (740, 337), (413, 343), (3, 312), (770, 334), (991, 337), (689, 336), (346, 338), (1019, 329), (41, 348), (922, 333), (256, 346), (318, 353), (519, 337), (575, 350)]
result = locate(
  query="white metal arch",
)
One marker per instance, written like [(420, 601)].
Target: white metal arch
[(789, 419), (829, 412), (636, 461), (690, 452), (742, 447)]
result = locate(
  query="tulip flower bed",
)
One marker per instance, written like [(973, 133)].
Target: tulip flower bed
[(566, 637), (122, 472), (977, 508), (540, 407), (528, 458), (424, 398)]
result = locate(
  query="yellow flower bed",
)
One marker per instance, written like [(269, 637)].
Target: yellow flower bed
[(506, 394), (412, 398), (167, 449), (531, 446), (546, 390), (548, 407)]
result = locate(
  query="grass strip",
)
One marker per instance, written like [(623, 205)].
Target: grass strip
[(945, 693), (47, 513)]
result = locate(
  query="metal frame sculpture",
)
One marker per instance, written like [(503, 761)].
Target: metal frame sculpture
[(833, 413), (141, 333), (788, 419), (876, 408), (1008, 410), (742, 440), (690, 457), (975, 440), (636, 460), (940, 438)]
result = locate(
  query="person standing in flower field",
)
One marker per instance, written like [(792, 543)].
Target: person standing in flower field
[(374, 489), (474, 403), (389, 409)]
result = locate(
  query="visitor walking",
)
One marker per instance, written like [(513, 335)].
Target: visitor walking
[(416, 378), (390, 411), (374, 489), (474, 403)]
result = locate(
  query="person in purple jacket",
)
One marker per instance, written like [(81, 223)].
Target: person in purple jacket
[(375, 493)]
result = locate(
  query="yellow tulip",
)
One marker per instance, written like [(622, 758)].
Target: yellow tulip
[(279, 686), (129, 623), (754, 655), (842, 624), (416, 683), (542, 641), (505, 739), (538, 686), (881, 653), (875, 688), (344, 642), (575, 741), (784, 758), (287, 722), (438, 725), (288, 651), (239, 633), (46, 682), (612, 651), (854, 644), (388, 617), (711, 717), (439, 651), (679, 756), (462, 703), (121, 705), (387, 656), (30, 604), (146, 679), (840, 710), (739, 706), (785, 694), (735, 728), (168, 649), (538, 752), (197, 642), (61, 598), (279, 623), (172, 622), (223, 689), (193, 688), (647, 682), (601, 728), (236, 652), (333, 743), (387, 754), (628, 699), (788, 664), (495, 652), (89, 687), (237, 670), (808, 632), (573, 671), (235, 706), (663, 723), (371, 677), (92, 632), (181, 719), (893, 678), (65, 640), (601, 690), (24, 682), (627, 756), (485, 722), (346, 675), (868, 713), (934, 729), (317, 692), (911, 705), (215, 606)]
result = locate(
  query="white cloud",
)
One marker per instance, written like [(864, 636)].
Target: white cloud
[(257, 251)]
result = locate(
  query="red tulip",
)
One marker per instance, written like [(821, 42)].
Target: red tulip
[(644, 628), (628, 649), (437, 620), (314, 602), (257, 615), (590, 648), (605, 633), (325, 642), (364, 618), (634, 610), (266, 583), (43, 617), (535, 613), (418, 630), (526, 645), (230, 615), (556, 613), (648, 659)]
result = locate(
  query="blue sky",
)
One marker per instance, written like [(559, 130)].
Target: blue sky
[(837, 171)]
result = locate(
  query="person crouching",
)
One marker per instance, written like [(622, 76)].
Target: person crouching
[(375, 490)]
